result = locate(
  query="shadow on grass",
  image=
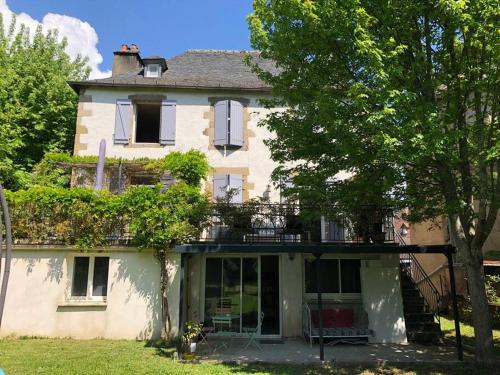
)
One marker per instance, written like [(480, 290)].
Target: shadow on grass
[(468, 341)]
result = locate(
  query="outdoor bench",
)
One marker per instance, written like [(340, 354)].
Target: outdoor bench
[(342, 322)]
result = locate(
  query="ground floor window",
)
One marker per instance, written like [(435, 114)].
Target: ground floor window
[(90, 277), (336, 276), (240, 289)]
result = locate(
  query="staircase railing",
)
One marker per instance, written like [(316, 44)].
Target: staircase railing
[(412, 268)]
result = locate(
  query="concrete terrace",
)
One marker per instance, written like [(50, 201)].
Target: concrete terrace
[(297, 351)]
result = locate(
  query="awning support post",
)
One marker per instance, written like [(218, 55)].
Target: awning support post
[(458, 336), (320, 307), (181, 294)]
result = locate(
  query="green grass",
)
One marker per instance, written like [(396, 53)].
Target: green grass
[(52, 356), (467, 332)]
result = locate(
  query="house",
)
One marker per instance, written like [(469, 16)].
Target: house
[(207, 100), (436, 233)]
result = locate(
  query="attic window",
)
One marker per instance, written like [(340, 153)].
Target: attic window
[(152, 71)]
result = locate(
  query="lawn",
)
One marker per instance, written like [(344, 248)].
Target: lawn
[(52, 356), (448, 328)]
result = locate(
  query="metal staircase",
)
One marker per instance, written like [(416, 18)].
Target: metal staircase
[(421, 302)]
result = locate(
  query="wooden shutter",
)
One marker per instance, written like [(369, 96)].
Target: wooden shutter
[(236, 184), (220, 183), (167, 122), (221, 122), (123, 120), (236, 124)]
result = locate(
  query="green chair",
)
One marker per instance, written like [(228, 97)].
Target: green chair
[(252, 334)]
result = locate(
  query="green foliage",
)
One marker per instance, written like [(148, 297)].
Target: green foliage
[(385, 88), (161, 220), (493, 289), (87, 218), (37, 107), (192, 330), (81, 217), (190, 167)]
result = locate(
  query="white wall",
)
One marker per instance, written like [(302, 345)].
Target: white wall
[(37, 305), (192, 119), (382, 298)]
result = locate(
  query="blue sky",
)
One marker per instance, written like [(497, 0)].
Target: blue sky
[(163, 27)]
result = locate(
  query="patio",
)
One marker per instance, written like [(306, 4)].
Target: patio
[(297, 351)]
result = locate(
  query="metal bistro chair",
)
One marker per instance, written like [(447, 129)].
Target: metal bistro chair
[(252, 333)]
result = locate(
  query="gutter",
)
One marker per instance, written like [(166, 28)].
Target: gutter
[(76, 85)]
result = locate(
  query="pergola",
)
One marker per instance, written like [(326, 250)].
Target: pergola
[(318, 250)]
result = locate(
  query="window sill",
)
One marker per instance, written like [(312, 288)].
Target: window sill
[(75, 303), (144, 145)]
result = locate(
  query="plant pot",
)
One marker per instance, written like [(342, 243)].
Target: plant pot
[(192, 347), (188, 356)]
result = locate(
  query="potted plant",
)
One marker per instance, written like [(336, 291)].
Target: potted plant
[(191, 332)]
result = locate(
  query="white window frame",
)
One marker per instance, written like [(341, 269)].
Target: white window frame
[(331, 296), (148, 73), (90, 279)]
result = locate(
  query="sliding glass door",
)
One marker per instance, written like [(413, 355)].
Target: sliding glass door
[(237, 289)]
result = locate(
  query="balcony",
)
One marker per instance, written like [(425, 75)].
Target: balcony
[(296, 223), (247, 223)]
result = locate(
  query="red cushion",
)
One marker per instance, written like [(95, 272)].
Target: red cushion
[(334, 318), (344, 318)]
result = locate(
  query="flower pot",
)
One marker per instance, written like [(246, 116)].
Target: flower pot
[(192, 347)]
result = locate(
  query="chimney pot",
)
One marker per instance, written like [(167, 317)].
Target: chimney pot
[(134, 48), (124, 48)]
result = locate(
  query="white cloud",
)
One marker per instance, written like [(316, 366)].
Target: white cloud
[(82, 37)]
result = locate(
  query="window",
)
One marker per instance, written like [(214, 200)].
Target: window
[(153, 71), (337, 276), (147, 123), (228, 186), (228, 123), (90, 277)]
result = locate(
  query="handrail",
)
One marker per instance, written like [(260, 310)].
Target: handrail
[(425, 286)]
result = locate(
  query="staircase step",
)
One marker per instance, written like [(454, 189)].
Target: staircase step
[(415, 309), (414, 301), (423, 326), (423, 336), (410, 293), (419, 317)]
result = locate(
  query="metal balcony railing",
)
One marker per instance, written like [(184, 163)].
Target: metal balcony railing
[(271, 223)]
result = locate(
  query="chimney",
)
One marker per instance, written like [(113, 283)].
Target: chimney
[(126, 60)]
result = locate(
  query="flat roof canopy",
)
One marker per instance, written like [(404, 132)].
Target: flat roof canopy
[(320, 248)]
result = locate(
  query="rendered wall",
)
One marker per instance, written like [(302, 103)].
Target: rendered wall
[(37, 304), (194, 118), (382, 299)]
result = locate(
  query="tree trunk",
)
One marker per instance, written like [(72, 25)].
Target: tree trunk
[(8, 254), (166, 324), (481, 318)]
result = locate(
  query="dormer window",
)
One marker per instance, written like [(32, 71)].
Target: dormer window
[(152, 71)]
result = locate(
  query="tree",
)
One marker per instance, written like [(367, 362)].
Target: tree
[(37, 107), (406, 91), (161, 220)]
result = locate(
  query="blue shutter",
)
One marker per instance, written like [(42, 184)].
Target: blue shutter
[(220, 183), (236, 184), (221, 128), (236, 124), (167, 122), (123, 120)]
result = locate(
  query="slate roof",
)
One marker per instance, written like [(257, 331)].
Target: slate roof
[(214, 69)]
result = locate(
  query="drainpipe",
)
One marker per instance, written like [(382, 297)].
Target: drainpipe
[(320, 307), (8, 254), (99, 175)]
